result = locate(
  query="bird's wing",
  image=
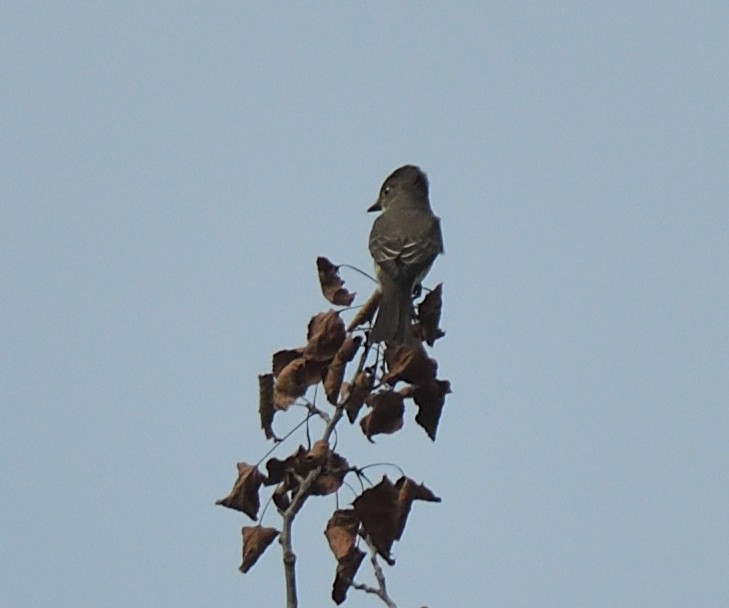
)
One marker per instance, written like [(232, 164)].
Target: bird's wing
[(406, 254)]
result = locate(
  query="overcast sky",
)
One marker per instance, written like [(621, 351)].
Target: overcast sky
[(170, 171)]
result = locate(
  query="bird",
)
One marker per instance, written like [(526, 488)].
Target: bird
[(404, 241)]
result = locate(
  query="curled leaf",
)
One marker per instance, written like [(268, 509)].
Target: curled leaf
[(277, 469), (332, 285), (256, 540), (282, 358), (341, 532), (409, 364), (281, 496), (244, 495), (294, 379), (409, 491), (335, 370), (291, 384), (332, 475), (266, 408), (346, 569), (430, 399), (386, 416), (297, 466), (319, 452), (325, 335), (429, 315), (355, 395), (367, 312), (378, 509)]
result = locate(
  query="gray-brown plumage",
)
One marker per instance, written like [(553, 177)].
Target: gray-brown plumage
[(404, 241)]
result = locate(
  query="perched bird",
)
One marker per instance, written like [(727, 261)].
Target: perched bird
[(404, 241)]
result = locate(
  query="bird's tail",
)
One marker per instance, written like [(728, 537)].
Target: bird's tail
[(393, 324)]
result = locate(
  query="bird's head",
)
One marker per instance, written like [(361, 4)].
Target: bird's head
[(408, 183)]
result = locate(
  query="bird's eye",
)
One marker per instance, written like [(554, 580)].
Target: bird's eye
[(385, 190)]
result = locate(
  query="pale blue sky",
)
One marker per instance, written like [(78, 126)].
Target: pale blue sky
[(170, 171)]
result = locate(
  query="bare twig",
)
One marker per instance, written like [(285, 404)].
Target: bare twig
[(362, 272), (289, 557), (381, 589)]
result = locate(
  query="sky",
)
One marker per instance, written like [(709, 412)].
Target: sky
[(171, 171)]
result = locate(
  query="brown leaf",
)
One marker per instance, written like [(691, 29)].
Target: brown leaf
[(346, 569), (430, 399), (332, 476), (319, 452), (277, 469), (281, 496), (325, 335), (256, 540), (333, 469), (282, 358), (386, 416), (290, 384), (355, 395), (429, 315), (244, 495), (333, 381), (294, 379), (409, 364), (335, 370), (368, 310), (341, 532), (378, 509), (332, 285), (408, 491), (265, 404)]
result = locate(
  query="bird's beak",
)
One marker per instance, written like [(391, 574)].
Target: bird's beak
[(375, 207)]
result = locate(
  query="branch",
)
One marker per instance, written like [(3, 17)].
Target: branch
[(289, 557), (381, 589), (297, 501)]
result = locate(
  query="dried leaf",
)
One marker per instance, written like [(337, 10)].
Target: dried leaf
[(341, 532), (265, 404), (332, 285), (333, 381), (335, 370), (281, 496), (429, 315), (282, 358), (319, 452), (348, 349), (354, 396), (430, 399), (332, 476), (333, 469), (244, 495), (256, 540), (325, 335), (367, 312), (290, 384), (386, 416), (378, 509), (277, 469), (408, 491), (409, 364), (294, 379), (346, 569)]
